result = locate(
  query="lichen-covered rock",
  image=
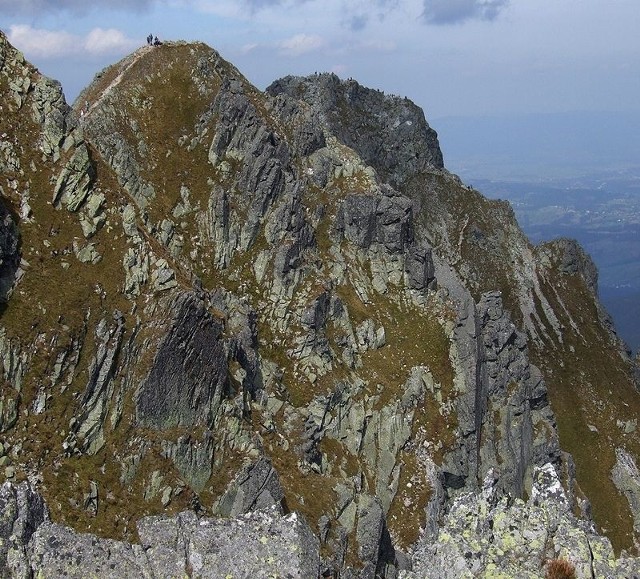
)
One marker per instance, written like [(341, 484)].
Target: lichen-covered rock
[(243, 137), (626, 477), (87, 253), (75, 179), (504, 415), (372, 537), (385, 219), (419, 268), (50, 110), (509, 386), (255, 487), (259, 544), (193, 458), (137, 264), (88, 427), (57, 551), (573, 260), (14, 366), (22, 511), (162, 276), (486, 535)]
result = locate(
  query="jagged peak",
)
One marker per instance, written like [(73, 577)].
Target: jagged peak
[(571, 258), (12, 61), (389, 132), (5, 46)]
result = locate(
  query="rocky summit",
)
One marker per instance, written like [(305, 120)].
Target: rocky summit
[(253, 333)]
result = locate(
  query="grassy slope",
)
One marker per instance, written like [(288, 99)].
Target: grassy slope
[(590, 385)]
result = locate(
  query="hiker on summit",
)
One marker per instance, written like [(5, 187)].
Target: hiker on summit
[(149, 39)]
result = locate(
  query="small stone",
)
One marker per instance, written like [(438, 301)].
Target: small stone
[(163, 277), (9, 472), (87, 254), (166, 496), (129, 221)]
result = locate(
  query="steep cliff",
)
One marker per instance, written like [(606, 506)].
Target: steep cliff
[(224, 300)]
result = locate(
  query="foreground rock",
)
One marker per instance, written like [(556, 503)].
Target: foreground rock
[(482, 535), (259, 544), (485, 535)]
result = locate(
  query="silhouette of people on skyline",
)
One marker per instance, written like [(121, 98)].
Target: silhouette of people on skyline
[(153, 40)]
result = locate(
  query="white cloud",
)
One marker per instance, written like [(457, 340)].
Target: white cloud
[(247, 48), (32, 7), (50, 44), (110, 41), (301, 44), (42, 43)]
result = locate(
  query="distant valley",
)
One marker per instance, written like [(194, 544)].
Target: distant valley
[(604, 216), (575, 176)]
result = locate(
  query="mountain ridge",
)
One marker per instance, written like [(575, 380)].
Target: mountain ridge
[(347, 309)]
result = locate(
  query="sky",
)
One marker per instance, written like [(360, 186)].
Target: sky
[(451, 57)]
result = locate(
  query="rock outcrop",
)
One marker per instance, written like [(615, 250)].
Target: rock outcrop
[(9, 254), (388, 132), (487, 534), (261, 544), (188, 376), (482, 534)]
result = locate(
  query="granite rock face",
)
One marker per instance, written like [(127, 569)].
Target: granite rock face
[(388, 132), (260, 544), (368, 219), (187, 379), (256, 487), (626, 477), (9, 255), (23, 511), (482, 535), (488, 535), (574, 260), (222, 300)]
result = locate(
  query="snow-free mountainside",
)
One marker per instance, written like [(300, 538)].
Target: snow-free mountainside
[(256, 334)]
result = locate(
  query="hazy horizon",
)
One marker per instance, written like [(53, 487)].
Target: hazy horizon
[(567, 175)]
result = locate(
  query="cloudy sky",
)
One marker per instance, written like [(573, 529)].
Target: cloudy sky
[(452, 57)]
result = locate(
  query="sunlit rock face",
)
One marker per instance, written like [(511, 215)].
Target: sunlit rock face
[(220, 301)]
